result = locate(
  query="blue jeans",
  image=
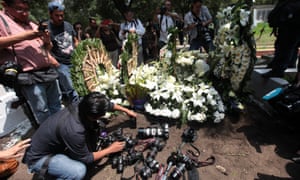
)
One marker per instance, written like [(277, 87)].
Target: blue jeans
[(61, 167), (195, 44), (66, 85), (43, 98)]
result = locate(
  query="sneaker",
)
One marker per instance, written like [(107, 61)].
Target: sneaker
[(272, 74)]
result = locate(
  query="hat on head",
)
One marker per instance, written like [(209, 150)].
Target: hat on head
[(54, 5), (106, 22)]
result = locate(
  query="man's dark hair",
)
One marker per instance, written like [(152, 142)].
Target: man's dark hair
[(93, 105), (11, 2), (77, 23)]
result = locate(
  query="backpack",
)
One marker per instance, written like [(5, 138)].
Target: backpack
[(286, 12)]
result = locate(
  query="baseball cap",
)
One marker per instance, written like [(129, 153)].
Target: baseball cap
[(54, 5)]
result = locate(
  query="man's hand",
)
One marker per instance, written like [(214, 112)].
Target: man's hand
[(15, 151), (116, 147)]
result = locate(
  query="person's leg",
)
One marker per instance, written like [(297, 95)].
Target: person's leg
[(195, 45), (53, 97), (140, 55), (37, 98), (114, 55), (61, 167), (66, 84), (287, 43)]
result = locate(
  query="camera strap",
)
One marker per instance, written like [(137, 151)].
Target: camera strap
[(9, 33)]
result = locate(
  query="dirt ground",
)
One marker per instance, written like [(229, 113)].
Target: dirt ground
[(252, 146)]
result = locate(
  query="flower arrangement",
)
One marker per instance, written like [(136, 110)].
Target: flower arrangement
[(92, 71), (235, 55)]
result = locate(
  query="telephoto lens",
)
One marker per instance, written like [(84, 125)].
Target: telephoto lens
[(178, 171), (162, 131), (115, 161), (121, 164)]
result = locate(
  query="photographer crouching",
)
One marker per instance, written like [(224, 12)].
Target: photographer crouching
[(62, 146), (196, 23)]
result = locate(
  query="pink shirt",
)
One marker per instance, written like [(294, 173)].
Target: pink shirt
[(30, 53)]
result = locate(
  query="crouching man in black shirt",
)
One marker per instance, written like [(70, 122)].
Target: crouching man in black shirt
[(61, 147)]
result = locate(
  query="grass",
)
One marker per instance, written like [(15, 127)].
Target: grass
[(263, 37)]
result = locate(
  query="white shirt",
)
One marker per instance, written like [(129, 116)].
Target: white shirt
[(165, 23), (190, 19), (136, 25)]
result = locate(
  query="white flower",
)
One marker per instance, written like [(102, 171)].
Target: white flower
[(169, 54), (184, 61), (244, 15), (218, 117), (201, 67), (176, 114), (148, 107)]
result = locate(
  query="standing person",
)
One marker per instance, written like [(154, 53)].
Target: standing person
[(78, 30), (20, 40), (65, 140), (90, 31), (166, 20), (132, 25), (110, 41), (196, 23), (284, 18), (64, 41)]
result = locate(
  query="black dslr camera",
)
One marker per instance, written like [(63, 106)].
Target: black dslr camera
[(9, 72), (203, 33), (119, 162), (43, 26)]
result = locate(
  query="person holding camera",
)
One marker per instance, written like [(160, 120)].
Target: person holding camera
[(166, 20), (24, 43), (132, 25), (64, 41), (196, 23), (63, 145), (110, 40)]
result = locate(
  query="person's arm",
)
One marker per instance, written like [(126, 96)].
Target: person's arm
[(121, 32), (188, 23), (8, 41), (15, 151), (115, 147), (174, 16), (123, 109), (140, 30), (208, 16)]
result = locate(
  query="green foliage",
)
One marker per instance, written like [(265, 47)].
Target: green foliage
[(77, 59)]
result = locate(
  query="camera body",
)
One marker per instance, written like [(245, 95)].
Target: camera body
[(106, 140), (189, 135), (162, 131), (119, 162), (203, 33), (9, 72), (43, 26), (183, 163)]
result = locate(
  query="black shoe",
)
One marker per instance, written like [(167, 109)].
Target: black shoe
[(272, 74)]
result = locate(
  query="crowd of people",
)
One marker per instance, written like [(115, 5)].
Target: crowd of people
[(44, 53)]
